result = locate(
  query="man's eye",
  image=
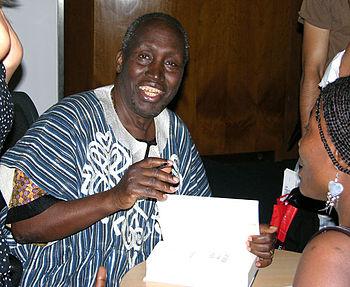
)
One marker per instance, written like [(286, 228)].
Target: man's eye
[(171, 64), (144, 57)]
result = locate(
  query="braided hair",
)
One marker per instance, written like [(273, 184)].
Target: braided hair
[(334, 100), (131, 31)]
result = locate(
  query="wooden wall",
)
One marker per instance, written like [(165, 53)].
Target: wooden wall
[(240, 92)]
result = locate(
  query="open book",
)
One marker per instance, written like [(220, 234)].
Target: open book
[(204, 242)]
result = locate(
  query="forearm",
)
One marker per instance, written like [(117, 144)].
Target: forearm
[(309, 91), (64, 219), (315, 50)]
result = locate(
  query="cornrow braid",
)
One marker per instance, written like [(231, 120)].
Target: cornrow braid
[(334, 100)]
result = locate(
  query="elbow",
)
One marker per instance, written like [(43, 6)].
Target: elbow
[(24, 233), (19, 234)]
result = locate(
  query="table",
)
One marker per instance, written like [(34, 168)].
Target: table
[(279, 274)]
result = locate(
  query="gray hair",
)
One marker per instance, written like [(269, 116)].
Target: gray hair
[(131, 31)]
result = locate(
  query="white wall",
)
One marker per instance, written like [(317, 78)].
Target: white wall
[(36, 23)]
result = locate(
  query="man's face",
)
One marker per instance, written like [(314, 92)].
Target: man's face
[(152, 70)]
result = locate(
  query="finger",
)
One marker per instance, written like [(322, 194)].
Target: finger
[(153, 162), (101, 277), (261, 263), (158, 179), (264, 228), (267, 238), (148, 192), (261, 253)]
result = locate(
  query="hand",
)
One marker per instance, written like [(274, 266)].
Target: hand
[(263, 245), (101, 276), (145, 179)]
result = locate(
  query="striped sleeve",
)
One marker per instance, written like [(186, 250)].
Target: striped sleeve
[(48, 154)]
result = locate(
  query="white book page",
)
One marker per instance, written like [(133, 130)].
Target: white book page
[(204, 242)]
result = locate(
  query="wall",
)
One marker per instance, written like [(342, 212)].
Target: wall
[(36, 23), (240, 92)]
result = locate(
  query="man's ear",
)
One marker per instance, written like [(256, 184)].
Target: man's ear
[(119, 62)]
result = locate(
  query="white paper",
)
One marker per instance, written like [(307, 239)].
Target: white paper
[(204, 242), (290, 181)]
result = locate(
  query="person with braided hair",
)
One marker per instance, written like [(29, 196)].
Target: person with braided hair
[(325, 175)]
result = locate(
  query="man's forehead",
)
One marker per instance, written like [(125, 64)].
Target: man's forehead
[(153, 25)]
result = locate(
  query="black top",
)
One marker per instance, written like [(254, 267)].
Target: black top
[(6, 106), (6, 119)]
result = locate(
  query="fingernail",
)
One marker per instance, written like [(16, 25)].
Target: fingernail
[(175, 179), (250, 238), (172, 188), (257, 264)]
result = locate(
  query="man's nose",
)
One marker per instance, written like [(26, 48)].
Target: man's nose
[(155, 70)]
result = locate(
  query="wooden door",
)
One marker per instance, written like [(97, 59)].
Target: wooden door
[(240, 90)]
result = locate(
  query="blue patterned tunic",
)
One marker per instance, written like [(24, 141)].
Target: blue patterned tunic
[(78, 148)]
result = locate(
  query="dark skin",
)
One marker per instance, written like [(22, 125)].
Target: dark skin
[(149, 76), (101, 277)]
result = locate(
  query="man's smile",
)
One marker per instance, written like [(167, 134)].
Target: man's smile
[(151, 93)]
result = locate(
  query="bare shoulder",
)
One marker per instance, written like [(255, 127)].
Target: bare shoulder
[(5, 41), (325, 261)]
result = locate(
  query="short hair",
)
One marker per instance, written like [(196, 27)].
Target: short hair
[(171, 21), (8, 3), (334, 100)]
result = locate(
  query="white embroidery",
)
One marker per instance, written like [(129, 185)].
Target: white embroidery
[(106, 163), (103, 169), (134, 232), (176, 170)]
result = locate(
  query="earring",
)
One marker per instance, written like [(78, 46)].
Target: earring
[(335, 189)]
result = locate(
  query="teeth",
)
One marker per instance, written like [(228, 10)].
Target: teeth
[(150, 91)]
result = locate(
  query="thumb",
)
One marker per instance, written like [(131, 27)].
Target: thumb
[(101, 277), (264, 228)]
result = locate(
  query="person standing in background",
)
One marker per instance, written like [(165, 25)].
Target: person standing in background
[(326, 32), (11, 53)]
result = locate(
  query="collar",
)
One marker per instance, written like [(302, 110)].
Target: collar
[(137, 148)]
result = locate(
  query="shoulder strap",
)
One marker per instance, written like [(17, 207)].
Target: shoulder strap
[(342, 229)]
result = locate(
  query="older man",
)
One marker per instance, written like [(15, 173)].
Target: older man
[(88, 174)]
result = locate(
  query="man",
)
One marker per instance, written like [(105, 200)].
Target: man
[(326, 32), (88, 174)]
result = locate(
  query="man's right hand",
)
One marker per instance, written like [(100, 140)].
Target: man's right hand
[(144, 179)]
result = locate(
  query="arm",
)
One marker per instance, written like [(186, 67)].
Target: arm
[(15, 52), (325, 262), (4, 37), (314, 54), (344, 69), (142, 180)]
